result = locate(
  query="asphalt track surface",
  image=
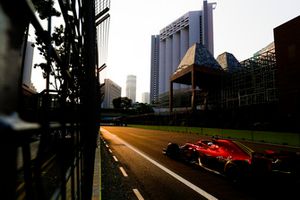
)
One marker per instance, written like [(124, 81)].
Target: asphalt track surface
[(155, 176)]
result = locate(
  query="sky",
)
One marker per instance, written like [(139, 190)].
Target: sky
[(241, 27)]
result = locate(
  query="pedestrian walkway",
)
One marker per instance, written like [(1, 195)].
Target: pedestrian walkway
[(97, 174), (108, 181)]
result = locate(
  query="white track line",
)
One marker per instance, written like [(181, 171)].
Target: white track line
[(138, 194), (173, 174), (123, 171), (115, 158), (110, 151)]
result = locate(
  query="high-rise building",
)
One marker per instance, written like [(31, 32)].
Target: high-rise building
[(111, 91), (176, 38), (102, 8), (28, 63), (154, 68), (27, 68), (145, 97), (131, 87)]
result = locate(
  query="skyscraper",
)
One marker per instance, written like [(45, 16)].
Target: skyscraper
[(111, 91), (28, 64), (154, 68), (102, 8), (131, 87), (27, 70), (176, 38)]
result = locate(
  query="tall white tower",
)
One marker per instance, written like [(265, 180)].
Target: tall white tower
[(27, 67), (131, 87)]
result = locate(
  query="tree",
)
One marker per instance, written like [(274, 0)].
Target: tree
[(141, 108), (57, 39), (122, 103), (45, 8), (117, 103)]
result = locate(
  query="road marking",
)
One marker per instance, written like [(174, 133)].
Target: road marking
[(107, 146), (109, 150), (173, 174), (115, 158), (138, 194), (123, 172)]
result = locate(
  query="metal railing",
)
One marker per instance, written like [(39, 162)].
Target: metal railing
[(48, 140)]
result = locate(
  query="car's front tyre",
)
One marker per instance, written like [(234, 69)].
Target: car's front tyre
[(172, 150)]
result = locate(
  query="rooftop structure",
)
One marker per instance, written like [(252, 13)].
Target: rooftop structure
[(228, 62), (227, 83), (199, 69)]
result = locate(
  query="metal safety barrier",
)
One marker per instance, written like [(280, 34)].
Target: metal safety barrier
[(48, 139)]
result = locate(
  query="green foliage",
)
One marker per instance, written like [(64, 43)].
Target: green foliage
[(122, 103), (57, 40), (126, 104), (282, 138), (58, 36), (117, 103), (141, 108), (45, 8)]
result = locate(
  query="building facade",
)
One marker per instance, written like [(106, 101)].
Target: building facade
[(28, 64), (176, 38), (102, 29), (287, 45), (131, 87), (111, 91)]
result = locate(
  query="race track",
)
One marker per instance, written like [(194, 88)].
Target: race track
[(155, 176)]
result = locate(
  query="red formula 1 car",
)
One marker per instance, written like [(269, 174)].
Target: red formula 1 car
[(233, 159)]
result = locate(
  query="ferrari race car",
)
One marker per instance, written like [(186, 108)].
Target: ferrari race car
[(235, 160)]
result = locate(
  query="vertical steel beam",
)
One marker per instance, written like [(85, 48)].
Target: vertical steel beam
[(89, 98), (193, 78), (171, 97)]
